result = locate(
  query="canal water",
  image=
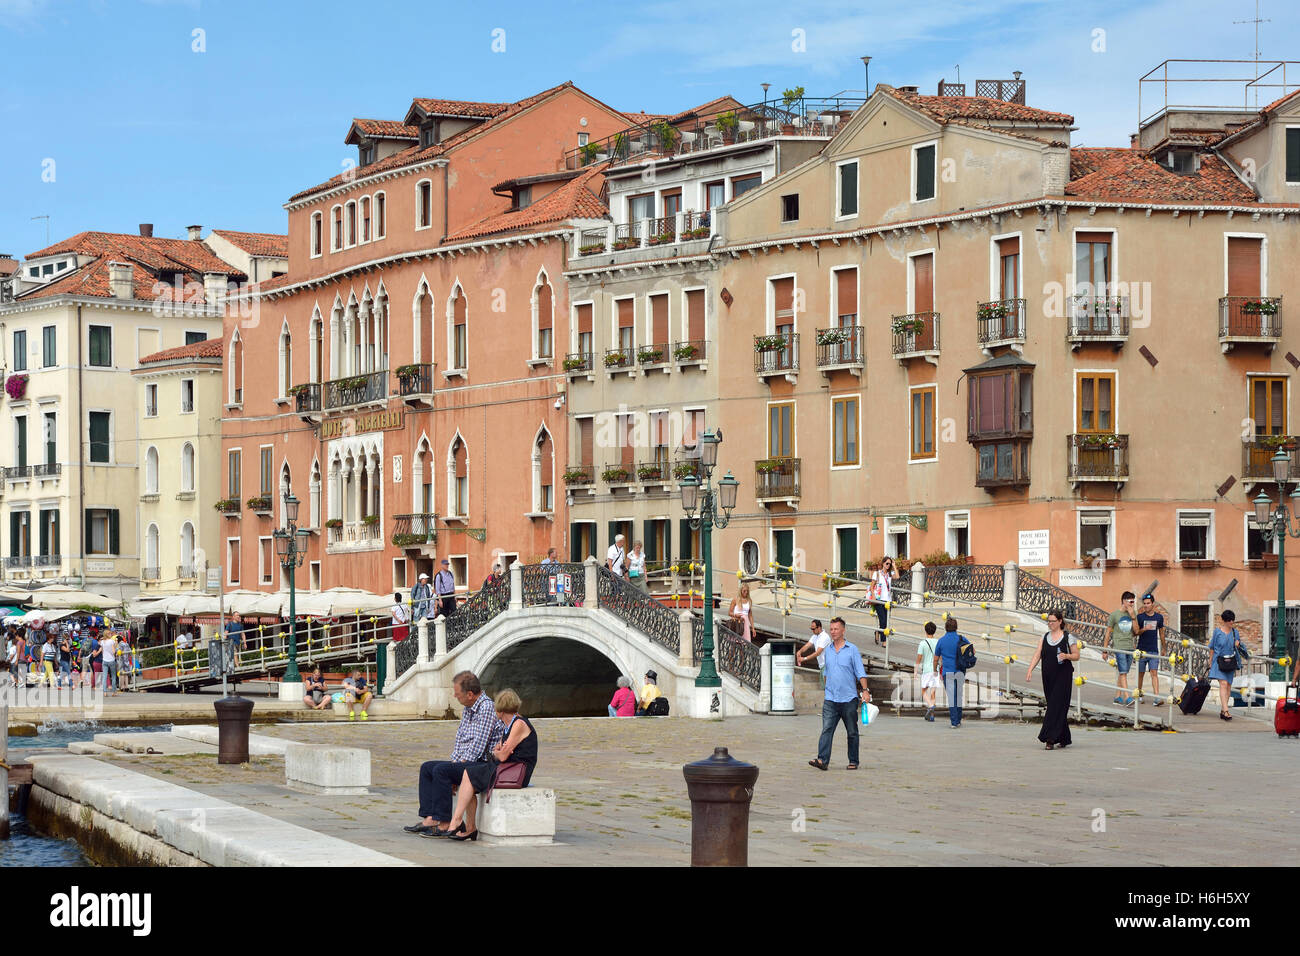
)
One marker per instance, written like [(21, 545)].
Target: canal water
[(25, 847)]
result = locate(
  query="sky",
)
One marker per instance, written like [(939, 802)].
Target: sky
[(118, 112)]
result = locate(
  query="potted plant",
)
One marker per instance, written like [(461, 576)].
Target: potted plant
[(685, 469), (297, 390), (769, 343), (16, 386), (832, 336), (908, 325), (993, 310), (574, 363), (574, 476), (591, 249), (334, 523), (408, 540), (405, 370), (614, 475), (666, 135), (615, 359), (370, 520), (661, 239), (685, 351), (698, 232), (626, 242), (618, 145), (227, 505), (650, 472), (1259, 307), (647, 355), (727, 124), (767, 466), (259, 503), (589, 153)]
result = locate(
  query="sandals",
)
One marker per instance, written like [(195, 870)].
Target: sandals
[(851, 766), (818, 764), (1224, 715), (1049, 746)]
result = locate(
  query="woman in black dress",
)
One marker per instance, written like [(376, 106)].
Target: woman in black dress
[(1057, 652), (519, 745)]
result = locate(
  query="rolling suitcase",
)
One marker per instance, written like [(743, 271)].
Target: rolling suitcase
[(1286, 716), (1194, 694)]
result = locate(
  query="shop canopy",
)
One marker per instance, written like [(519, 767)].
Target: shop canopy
[(60, 596)]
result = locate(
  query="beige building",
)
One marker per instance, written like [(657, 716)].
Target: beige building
[(70, 340), (179, 393)]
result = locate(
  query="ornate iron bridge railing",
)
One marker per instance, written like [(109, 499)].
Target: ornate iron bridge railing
[(406, 652), (486, 603), (536, 582), (638, 609), (738, 657)]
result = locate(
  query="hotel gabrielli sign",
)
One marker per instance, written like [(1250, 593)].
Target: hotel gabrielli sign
[(354, 425)]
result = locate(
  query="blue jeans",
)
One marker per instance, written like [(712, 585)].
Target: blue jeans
[(110, 676), (953, 686), (832, 713), (65, 669)]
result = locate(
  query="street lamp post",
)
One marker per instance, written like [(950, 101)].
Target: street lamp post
[(707, 508), (291, 548), (1277, 523)]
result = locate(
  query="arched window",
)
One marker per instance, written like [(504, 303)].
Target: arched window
[(188, 563), (749, 556), (366, 331), (543, 318), (187, 467), (337, 346), (351, 224), (151, 471), (286, 488), (352, 338), (316, 228), (365, 218), (422, 475), (314, 508), (286, 360), (317, 347), (457, 329), (422, 315), (458, 478), (336, 229), (236, 375), (423, 204), (543, 472), (381, 215), (380, 324)]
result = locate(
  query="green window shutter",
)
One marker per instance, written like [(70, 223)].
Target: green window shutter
[(1293, 155), (575, 542), (114, 540), (925, 173), (684, 539), (15, 531), (613, 530), (648, 536), (668, 541)]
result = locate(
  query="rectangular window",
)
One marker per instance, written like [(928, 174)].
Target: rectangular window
[(20, 351), (923, 172), (232, 560), (266, 485), (923, 423), (233, 483), (102, 531), (1245, 266), (846, 549), (1009, 268), (626, 440), (659, 321), (586, 445), (101, 346), (1092, 263), (424, 217), (626, 324), (780, 430), (715, 194), (187, 395), (957, 534), (640, 207), (584, 329), (1194, 621), (1096, 534), (49, 540), (51, 434), (695, 315), (100, 449), (399, 573), (744, 184), (20, 531), (1293, 154), (848, 190), (583, 138), (460, 571), (1096, 412), (266, 560), (692, 428), (672, 203), (790, 208), (1194, 535), (1256, 545), (194, 338), (313, 575), (845, 421), (1268, 405), (20, 440), (151, 401), (49, 353)]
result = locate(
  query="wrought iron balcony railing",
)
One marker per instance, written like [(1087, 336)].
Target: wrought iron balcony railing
[(840, 347), (580, 474), (692, 351), (776, 478), (14, 472), (620, 358), (916, 334), (49, 469), (1102, 457), (415, 530), (1250, 317), (1001, 321), (1257, 457), (357, 389), (415, 380), (18, 561), (47, 560), (306, 398), (776, 354), (1102, 318), (150, 574), (578, 363)]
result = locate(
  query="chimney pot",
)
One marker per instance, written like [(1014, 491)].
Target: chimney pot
[(146, 229), (121, 280), (195, 231)]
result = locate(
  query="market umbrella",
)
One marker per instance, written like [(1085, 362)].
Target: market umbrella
[(256, 603), (62, 596), (339, 602)]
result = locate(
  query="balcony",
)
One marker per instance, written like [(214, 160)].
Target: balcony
[(46, 560), (651, 357), (1001, 322), (1099, 319), (1003, 464), (1097, 457), (415, 384), (150, 574), (580, 476), (620, 476), (17, 472), (50, 469), (18, 561), (185, 572), (840, 348), (261, 505), (777, 479), (777, 354), (579, 363), (370, 388), (691, 352), (306, 400), (662, 232), (334, 531), (619, 360), (627, 235), (415, 530), (1257, 457), (592, 242), (657, 472), (230, 507), (1249, 320), (916, 335)]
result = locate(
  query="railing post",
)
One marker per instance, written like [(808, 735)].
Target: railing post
[(390, 656), (517, 586), (440, 637), (918, 585), (589, 568), (1009, 581), (609, 237), (686, 638), (422, 636), (678, 224), (645, 233), (765, 678)]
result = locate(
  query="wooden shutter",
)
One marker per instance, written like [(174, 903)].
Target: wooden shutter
[(613, 530), (575, 543), (648, 536), (114, 532), (584, 318), (1293, 155), (659, 320), (1008, 267), (626, 448), (684, 539), (585, 450), (925, 157), (695, 315), (1244, 266), (846, 292), (626, 313), (544, 306), (923, 283), (783, 293), (15, 532)]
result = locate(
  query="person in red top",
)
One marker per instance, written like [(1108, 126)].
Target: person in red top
[(624, 702)]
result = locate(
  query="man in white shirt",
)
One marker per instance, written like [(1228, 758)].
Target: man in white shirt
[(615, 556), (817, 641)]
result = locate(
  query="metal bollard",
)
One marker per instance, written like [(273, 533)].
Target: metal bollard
[(721, 788), (233, 714)]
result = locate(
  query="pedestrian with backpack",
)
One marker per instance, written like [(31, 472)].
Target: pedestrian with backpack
[(930, 677), (957, 655)]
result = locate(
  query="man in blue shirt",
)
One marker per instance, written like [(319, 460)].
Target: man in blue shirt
[(846, 691), (1150, 625), (954, 680), (234, 639)]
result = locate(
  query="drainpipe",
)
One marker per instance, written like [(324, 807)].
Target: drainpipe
[(81, 457)]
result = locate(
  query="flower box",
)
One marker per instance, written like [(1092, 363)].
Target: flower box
[(334, 523), (906, 326), (299, 389), (647, 356), (1269, 559), (370, 520), (259, 503), (1259, 307), (591, 249), (699, 232), (621, 244), (408, 540), (616, 360), (769, 343), (994, 311), (573, 364), (684, 353), (227, 505), (832, 336), (766, 467), (686, 469), (614, 475), (650, 472), (577, 476)]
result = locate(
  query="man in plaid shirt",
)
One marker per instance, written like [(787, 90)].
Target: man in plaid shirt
[(479, 732)]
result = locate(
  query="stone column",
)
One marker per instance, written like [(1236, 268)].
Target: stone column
[(686, 638), (593, 597), (422, 636), (517, 586), (440, 638), (1009, 582), (918, 585), (609, 239), (765, 678)]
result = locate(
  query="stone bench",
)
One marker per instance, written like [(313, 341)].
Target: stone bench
[(320, 768), (518, 817)]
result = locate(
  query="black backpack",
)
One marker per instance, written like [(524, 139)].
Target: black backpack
[(965, 654), (658, 707)]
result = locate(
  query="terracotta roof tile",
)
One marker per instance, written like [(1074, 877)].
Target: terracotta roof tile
[(152, 251), (208, 348), (945, 109), (578, 199), (715, 105), (640, 119), (416, 154), (1131, 175), (268, 244), (459, 107), (386, 129)]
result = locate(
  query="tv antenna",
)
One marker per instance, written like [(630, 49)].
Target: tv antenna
[(47, 226), (1257, 21)]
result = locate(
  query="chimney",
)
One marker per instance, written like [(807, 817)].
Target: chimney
[(214, 288), (146, 230), (195, 232), (909, 89), (121, 281)]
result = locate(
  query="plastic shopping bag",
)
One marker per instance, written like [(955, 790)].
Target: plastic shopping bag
[(869, 714)]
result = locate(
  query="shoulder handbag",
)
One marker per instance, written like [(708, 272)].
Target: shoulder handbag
[(1228, 662)]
